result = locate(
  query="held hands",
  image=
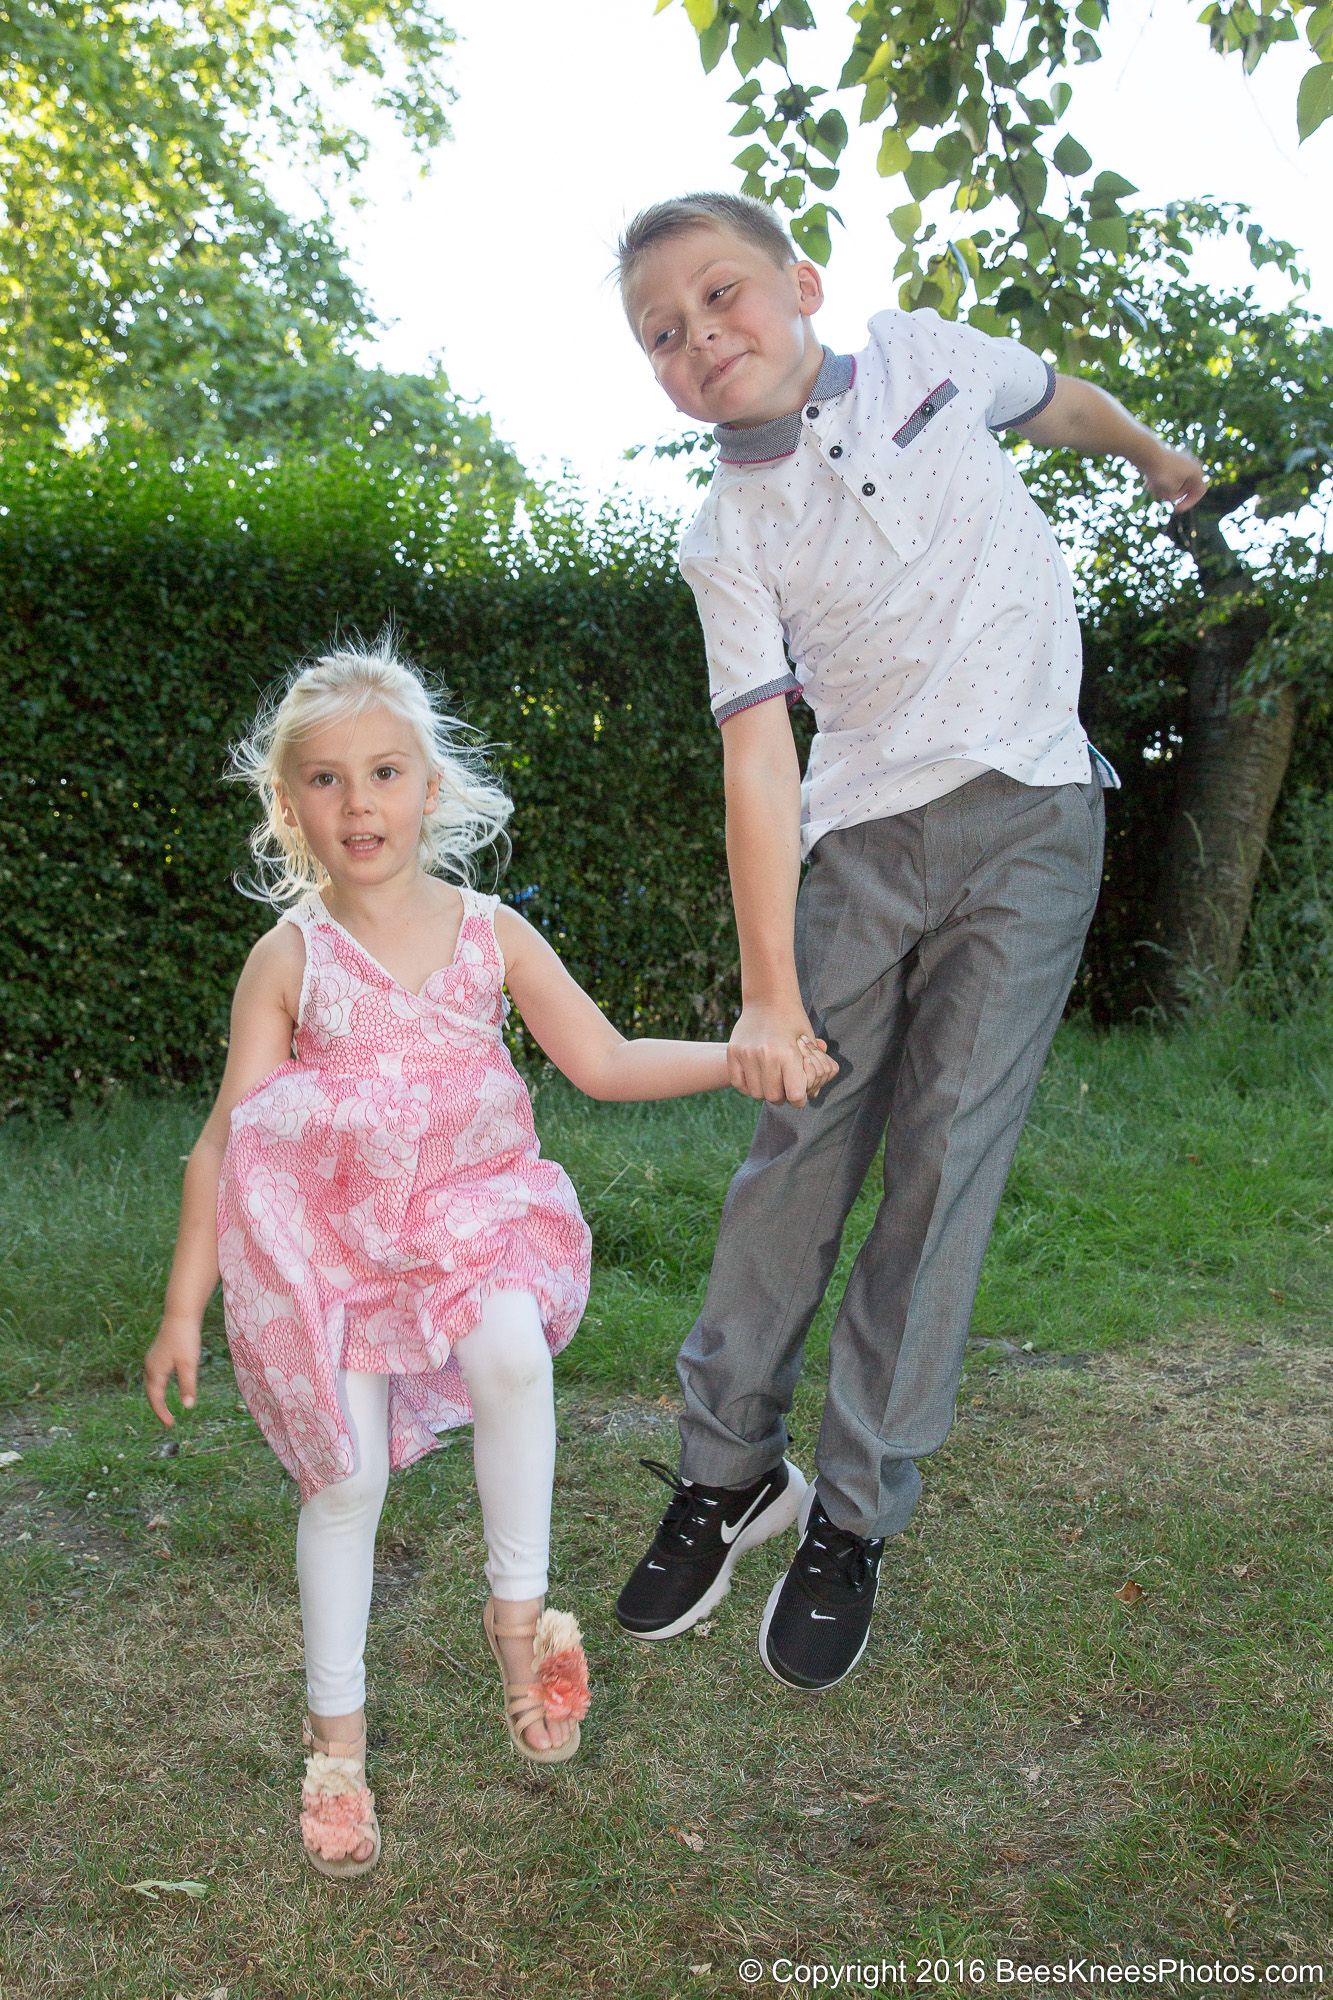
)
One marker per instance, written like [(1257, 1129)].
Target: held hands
[(174, 1352), (1176, 476), (774, 1054)]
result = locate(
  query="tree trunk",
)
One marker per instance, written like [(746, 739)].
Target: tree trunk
[(1231, 771)]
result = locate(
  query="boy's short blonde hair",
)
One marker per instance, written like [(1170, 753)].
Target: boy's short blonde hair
[(749, 218)]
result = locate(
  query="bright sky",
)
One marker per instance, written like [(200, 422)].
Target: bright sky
[(573, 114)]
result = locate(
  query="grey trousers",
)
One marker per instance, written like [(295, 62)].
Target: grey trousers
[(935, 950)]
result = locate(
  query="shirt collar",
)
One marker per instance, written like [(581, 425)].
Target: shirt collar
[(753, 444)]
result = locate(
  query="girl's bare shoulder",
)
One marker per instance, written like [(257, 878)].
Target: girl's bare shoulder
[(275, 966)]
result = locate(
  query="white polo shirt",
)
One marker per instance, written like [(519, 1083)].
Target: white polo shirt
[(878, 554)]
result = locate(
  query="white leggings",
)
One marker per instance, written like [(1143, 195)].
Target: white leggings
[(506, 1365)]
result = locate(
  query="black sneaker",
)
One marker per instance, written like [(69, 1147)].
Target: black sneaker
[(687, 1571), (817, 1619)]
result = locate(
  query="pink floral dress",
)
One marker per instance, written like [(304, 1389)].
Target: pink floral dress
[(376, 1188)]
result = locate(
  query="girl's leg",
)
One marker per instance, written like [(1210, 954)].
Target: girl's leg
[(335, 1565), (506, 1365)]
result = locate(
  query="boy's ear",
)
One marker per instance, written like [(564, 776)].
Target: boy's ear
[(809, 286)]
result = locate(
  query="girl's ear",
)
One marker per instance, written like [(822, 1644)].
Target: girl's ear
[(432, 792), (285, 807)]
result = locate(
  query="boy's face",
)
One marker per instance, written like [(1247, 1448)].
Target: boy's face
[(727, 330)]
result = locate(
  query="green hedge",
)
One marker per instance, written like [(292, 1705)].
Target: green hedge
[(147, 607)]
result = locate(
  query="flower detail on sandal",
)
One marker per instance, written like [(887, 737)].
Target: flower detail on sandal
[(336, 1805), (561, 1677)]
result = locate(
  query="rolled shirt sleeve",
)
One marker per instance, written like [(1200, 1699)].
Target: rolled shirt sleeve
[(743, 636)]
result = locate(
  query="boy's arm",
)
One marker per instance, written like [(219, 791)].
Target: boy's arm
[(762, 777), (1086, 419)]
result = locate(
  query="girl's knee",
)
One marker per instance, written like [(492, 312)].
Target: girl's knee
[(506, 1354), (351, 1499)]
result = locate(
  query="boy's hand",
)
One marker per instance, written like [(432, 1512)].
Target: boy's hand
[(1176, 476), (767, 1055), (174, 1352)]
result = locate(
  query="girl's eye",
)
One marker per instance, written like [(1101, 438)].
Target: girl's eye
[(323, 779), (387, 771)]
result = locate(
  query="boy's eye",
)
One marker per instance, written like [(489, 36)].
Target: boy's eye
[(663, 338), (718, 291)]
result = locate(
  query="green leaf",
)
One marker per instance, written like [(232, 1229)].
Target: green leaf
[(811, 232), (894, 153), (905, 221), (1110, 232), (752, 159), (1314, 100), (1070, 158), (702, 14), (713, 43), (1113, 185), (831, 134), (925, 173)]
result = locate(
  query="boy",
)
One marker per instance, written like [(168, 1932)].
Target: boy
[(864, 521)]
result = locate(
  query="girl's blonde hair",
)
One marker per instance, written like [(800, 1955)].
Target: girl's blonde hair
[(470, 812)]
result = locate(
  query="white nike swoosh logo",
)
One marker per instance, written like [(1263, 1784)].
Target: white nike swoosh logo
[(730, 1529), (657, 1565), (828, 1617)]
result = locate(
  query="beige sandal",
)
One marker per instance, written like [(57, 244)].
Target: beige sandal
[(337, 1809), (558, 1689)]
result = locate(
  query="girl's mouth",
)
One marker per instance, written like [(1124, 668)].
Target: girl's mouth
[(364, 843)]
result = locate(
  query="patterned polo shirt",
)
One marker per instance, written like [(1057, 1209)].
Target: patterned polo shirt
[(878, 554)]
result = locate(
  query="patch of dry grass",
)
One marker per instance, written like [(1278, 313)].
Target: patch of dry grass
[(1025, 1761)]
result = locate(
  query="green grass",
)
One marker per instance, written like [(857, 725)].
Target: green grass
[(1161, 1179), (1025, 1762)]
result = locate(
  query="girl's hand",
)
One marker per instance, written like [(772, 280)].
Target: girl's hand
[(174, 1352), (774, 1054), (820, 1068)]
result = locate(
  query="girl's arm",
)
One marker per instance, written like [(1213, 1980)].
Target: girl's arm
[(1086, 419), (263, 1013), (574, 1032)]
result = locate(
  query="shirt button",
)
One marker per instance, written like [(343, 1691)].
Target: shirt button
[(813, 410), (927, 409), (835, 451), (868, 488)]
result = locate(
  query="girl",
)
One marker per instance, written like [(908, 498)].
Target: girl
[(396, 1256)]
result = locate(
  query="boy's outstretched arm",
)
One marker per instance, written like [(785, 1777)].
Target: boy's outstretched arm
[(762, 776), (1086, 419)]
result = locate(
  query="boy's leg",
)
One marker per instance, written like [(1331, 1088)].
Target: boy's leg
[(778, 1242), (1018, 869), (1012, 874), (782, 1222)]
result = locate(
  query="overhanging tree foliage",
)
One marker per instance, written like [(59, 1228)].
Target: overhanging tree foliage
[(1004, 214), (149, 272), (1244, 619)]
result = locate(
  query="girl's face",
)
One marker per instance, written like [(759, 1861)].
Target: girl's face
[(358, 789)]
